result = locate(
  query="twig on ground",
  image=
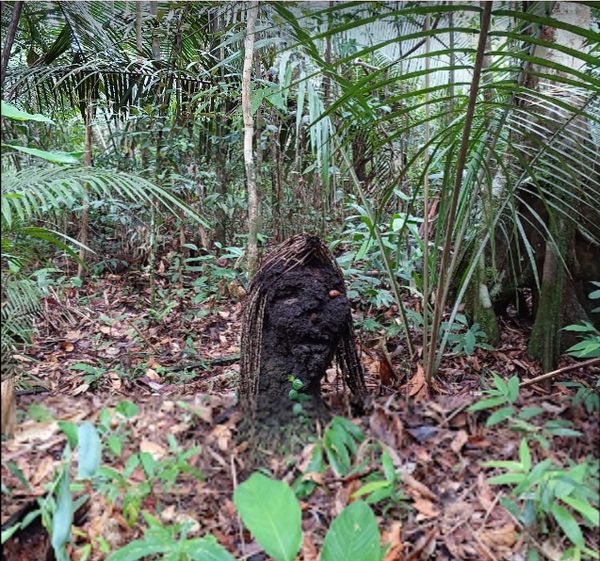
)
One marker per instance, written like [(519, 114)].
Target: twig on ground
[(549, 375)]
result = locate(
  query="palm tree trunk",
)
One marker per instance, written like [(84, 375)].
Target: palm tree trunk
[(252, 253), (85, 215), (10, 38)]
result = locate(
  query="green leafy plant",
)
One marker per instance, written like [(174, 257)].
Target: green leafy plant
[(296, 396), (171, 544), (377, 489), (504, 393), (504, 396), (57, 507), (340, 442), (464, 339), (569, 495), (272, 513), (589, 346)]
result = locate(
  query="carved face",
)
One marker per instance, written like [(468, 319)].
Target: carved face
[(308, 307)]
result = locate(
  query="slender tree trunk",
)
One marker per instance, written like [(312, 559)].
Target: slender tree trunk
[(10, 38), (445, 275), (155, 37), (426, 223), (138, 29), (252, 253), (85, 215)]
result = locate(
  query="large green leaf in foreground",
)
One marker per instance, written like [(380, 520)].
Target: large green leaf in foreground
[(272, 513)]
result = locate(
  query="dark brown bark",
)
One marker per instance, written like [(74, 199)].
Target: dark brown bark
[(10, 38)]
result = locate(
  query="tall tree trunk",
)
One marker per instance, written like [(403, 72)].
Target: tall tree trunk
[(138, 30), (10, 38), (545, 339), (252, 252), (155, 37), (85, 215)]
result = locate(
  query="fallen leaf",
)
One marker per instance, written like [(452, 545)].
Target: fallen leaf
[(115, 380), (393, 537), (82, 388), (44, 469), (309, 549), (416, 385), (504, 536), (426, 508), (156, 450), (459, 441), (152, 375)]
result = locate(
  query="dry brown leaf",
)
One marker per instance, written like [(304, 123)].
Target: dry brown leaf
[(416, 385), (459, 441), (154, 449), (115, 380), (504, 536), (35, 431), (309, 549), (81, 388), (9, 407), (485, 494), (222, 435), (393, 537), (44, 469), (152, 375), (426, 508), (417, 487)]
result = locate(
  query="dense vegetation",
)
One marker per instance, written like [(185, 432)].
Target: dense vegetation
[(447, 154)]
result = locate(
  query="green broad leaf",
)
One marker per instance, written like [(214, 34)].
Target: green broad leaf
[(353, 536), (591, 514), (370, 487), (568, 524), (530, 412), (506, 479), (140, 549), (7, 534), (388, 466), (341, 442), (90, 451), (127, 408), (206, 549), (70, 430), (525, 455), (270, 510), (469, 343), (256, 98), (583, 327), (9, 111), (63, 517), (487, 404), (115, 444), (499, 416), (513, 389), (504, 464), (535, 476), (54, 157)]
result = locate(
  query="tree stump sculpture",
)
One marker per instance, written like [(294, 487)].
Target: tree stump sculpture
[(297, 320)]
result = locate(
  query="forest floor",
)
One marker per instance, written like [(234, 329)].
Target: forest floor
[(103, 345)]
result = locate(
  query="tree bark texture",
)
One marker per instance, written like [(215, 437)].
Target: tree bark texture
[(10, 38)]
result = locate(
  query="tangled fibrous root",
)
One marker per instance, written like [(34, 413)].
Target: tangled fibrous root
[(297, 251)]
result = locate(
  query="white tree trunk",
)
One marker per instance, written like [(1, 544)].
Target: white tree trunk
[(252, 250)]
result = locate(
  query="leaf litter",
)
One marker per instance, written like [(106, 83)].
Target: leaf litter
[(181, 372)]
